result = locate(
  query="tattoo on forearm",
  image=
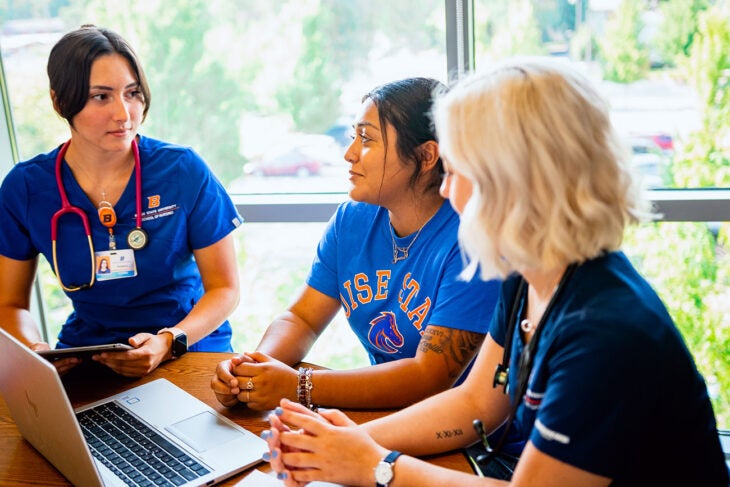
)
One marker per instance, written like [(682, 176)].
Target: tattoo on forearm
[(456, 346), (446, 434)]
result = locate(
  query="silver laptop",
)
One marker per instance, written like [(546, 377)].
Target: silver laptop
[(187, 442)]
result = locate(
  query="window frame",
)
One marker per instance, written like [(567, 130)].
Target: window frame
[(689, 205)]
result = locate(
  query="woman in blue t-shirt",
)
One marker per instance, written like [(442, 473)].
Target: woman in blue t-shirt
[(151, 212), (596, 379), (389, 258)]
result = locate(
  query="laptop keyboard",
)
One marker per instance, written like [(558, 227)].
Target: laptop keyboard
[(134, 451)]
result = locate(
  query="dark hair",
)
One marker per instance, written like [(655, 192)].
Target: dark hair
[(406, 106), (69, 67)]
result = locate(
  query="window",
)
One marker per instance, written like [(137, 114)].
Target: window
[(266, 92)]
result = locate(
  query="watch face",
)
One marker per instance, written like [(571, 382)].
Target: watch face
[(179, 345), (383, 473), (137, 239)]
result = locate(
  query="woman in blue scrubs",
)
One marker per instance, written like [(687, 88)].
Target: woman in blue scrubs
[(154, 211)]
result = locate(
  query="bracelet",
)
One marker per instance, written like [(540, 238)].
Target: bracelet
[(304, 388)]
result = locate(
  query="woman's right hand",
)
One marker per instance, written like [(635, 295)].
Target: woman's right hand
[(276, 448), (224, 383)]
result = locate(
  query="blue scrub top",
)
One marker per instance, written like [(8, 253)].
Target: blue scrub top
[(184, 207)]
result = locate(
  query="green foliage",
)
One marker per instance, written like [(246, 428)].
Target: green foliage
[(695, 287), (311, 96), (519, 35), (674, 38), (708, 65), (623, 58), (705, 160), (194, 102)]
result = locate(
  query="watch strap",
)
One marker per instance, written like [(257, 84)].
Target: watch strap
[(179, 344)]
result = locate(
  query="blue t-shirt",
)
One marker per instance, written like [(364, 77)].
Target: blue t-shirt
[(613, 389), (389, 305), (184, 207)]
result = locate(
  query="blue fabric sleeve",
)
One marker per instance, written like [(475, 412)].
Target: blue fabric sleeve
[(323, 273), (213, 214)]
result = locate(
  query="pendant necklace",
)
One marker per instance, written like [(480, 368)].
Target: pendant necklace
[(401, 253), (526, 326)]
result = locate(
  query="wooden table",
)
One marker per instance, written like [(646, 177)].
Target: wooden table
[(20, 464)]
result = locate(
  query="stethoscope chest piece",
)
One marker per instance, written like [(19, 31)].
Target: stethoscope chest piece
[(137, 239), (501, 377)]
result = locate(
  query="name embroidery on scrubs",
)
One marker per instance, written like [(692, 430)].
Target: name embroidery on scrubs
[(156, 213)]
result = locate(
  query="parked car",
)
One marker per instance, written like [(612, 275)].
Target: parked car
[(663, 141), (291, 163)]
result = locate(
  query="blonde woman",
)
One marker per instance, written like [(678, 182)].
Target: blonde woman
[(601, 385)]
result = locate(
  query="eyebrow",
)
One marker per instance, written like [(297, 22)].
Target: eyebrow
[(365, 124), (109, 88)]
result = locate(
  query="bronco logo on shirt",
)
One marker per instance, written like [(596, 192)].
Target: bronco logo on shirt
[(360, 291), (384, 333)]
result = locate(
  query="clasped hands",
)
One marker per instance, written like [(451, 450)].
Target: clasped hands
[(254, 378), (305, 446)]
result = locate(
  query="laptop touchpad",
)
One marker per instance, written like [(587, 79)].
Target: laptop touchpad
[(203, 431)]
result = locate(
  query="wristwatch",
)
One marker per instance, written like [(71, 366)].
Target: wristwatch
[(384, 469), (179, 341)]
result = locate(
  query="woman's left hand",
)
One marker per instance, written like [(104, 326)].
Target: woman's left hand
[(263, 381), (149, 351)]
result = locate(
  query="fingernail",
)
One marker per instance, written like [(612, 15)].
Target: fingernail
[(274, 454), (265, 434), (278, 411), (266, 456), (281, 476)]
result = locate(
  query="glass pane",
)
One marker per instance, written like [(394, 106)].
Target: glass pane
[(688, 265), (662, 65), (275, 259), (666, 80), (264, 91)]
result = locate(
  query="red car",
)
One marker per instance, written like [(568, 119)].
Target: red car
[(664, 141)]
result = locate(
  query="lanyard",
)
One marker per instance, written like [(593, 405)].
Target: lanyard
[(136, 239)]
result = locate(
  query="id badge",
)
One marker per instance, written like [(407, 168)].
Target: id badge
[(115, 264)]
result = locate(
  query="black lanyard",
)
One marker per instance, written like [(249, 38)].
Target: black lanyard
[(501, 375)]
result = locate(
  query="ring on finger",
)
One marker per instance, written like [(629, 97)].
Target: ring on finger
[(249, 384), (248, 396)]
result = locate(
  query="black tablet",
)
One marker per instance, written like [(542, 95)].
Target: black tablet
[(59, 353)]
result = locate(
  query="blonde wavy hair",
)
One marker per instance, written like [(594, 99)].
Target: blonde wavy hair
[(551, 185)]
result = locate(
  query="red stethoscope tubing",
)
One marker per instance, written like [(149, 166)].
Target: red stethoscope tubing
[(66, 208)]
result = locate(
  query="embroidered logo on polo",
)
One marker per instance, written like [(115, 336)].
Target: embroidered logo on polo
[(384, 333), (156, 211), (153, 201)]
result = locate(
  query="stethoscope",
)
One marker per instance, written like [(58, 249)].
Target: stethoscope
[(501, 374), (137, 237)]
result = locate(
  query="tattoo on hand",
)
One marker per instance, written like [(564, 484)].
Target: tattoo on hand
[(446, 434)]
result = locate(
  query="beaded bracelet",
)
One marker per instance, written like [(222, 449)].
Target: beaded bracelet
[(304, 388)]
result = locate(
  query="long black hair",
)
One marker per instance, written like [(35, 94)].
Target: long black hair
[(406, 105)]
